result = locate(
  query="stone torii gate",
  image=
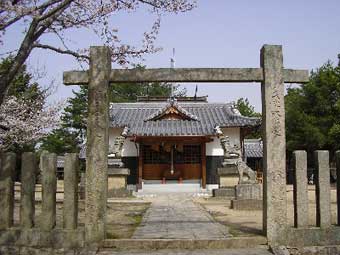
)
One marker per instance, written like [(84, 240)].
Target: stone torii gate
[(272, 77)]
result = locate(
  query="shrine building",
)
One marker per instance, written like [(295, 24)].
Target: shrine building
[(176, 139)]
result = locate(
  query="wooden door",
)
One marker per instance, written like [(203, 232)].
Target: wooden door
[(187, 162)]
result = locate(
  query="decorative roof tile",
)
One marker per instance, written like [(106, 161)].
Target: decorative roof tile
[(168, 108)]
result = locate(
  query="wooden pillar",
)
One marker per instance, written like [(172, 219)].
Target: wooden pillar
[(204, 165), (274, 145), (97, 145)]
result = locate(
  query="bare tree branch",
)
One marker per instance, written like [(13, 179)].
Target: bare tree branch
[(27, 12), (56, 16), (55, 10), (61, 51)]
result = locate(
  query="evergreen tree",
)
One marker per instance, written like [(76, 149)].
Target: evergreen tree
[(313, 110), (60, 141), (246, 109), (22, 86), (72, 133)]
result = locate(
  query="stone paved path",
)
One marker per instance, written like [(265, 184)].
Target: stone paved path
[(176, 216)]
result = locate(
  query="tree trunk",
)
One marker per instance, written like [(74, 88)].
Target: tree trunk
[(24, 51)]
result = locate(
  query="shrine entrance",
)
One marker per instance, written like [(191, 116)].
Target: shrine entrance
[(175, 159), (272, 76), (171, 162)]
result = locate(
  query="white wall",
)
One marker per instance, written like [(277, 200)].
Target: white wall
[(129, 148), (214, 148)]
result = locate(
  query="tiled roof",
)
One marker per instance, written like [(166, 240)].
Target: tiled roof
[(209, 115), (253, 148)]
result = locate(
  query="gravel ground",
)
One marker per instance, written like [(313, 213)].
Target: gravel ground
[(245, 223)]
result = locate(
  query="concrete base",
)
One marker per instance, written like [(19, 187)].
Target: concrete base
[(247, 204)]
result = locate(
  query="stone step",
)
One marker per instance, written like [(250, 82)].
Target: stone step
[(171, 188), (249, 251), (151, 244)]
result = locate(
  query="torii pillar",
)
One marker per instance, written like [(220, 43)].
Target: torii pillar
[(97, 144)]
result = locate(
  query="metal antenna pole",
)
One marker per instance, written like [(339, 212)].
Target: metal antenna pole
[(172, 66)]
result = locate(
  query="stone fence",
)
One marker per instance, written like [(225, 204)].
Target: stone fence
[(42, 233), (324, 233)]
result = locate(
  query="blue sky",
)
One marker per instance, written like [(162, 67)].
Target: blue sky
[(217, 33)]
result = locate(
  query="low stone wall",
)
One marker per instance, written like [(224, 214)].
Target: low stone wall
[(314, 250), (56, 238)]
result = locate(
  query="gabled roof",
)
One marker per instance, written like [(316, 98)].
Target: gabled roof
[(137, 117), (170, 109)]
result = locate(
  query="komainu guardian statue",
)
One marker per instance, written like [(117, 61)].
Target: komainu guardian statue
[(232, 156), (115, 152)]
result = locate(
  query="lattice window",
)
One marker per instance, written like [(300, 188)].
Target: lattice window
[(152, 156), (191, 154)]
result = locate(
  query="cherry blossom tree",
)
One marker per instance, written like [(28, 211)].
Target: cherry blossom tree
[(26, 121), (39, 18)]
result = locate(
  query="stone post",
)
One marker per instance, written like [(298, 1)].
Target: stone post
[(71, 169), (82, 186), (300, 189), (274, 143), (322, 187), (97, 144), (7, 170), (27, 203), (337, 156), (48, 165)]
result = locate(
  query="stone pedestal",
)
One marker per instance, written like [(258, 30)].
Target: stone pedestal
[(248, 191), (247, 197), (117, 182), (229, 176)]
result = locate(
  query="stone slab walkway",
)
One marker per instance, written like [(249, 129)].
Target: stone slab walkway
[(176, 216)]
